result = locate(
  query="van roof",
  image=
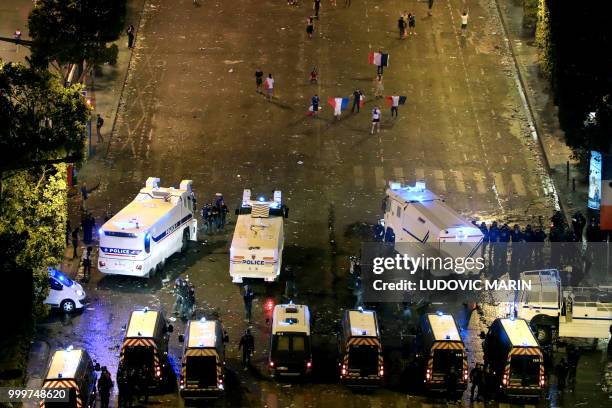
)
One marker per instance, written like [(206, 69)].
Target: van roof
[(202, 334), (362, 323), (291, 318), (148, 207), (64, 364), (433, 209), (264, 233), (519, 333), (142, 323), (443, 327)]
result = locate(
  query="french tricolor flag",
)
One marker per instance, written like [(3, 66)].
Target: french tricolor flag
[(378, 58), (396, 100), (339, 104)]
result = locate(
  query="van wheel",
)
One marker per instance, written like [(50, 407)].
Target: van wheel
[(185, 240), (68, 306)]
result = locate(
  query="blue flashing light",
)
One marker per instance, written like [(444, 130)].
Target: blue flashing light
[(448, 337), (439, 313), (69, 348), (360, 309), (202, 319), (100, 232), (261, 199), (511, 318)]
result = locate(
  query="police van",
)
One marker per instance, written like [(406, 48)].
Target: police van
[(257, 245), (64, 293), (439, 349), (290, 348), (203, 363), (360, 350), (157, 223), (73, 370), (415, 215), (513, 357), (146, 344)]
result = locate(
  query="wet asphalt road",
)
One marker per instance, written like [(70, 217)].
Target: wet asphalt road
[(190, 110)]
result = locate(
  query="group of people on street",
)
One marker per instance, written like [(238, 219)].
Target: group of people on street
[(566, 370), (184, 303), (267, 84), (133, 384), (214, 215), (406, 24)]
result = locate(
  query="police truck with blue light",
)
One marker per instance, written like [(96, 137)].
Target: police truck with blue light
[(139, 239)]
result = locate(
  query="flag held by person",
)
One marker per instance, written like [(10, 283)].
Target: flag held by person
[(361, 100), (339, 104), (396, 100), (378, 59)]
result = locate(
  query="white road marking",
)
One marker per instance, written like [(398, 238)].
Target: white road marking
[(499, 183), (519, 186), (439, 179), (379, 174), (459, 181)]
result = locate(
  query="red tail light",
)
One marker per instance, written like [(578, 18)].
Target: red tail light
[(465, 375), (343, 369), (309, 364), (505, 380), (381, 372), (271, 363), (428, 375), (269, 305), (542, 381), (157, 372)]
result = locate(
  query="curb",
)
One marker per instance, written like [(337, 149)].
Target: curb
[(534, 124), (124, 82)]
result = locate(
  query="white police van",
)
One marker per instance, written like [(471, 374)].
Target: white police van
[(257, 245), (157, 223), (64, 293)]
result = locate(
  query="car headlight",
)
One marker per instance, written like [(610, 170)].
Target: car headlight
[(80, 293)]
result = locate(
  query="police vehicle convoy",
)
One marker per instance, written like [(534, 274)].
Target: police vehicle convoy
[(557, 312), (514, 359), (157, 223), (74, 371), (415, 215), (290, 345), (202, 372), (145, 345), (440, 353), (258, 241), (64, 293), (360, 349)]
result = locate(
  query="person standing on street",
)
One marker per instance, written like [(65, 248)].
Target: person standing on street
[(317, 6), (144, 381), (356, 100), (258, 80), (223, 211), (411, 24), (464, 22), (476, 376), (68, 232), (429, 7), (375, 120), (84, 196), (394, 106), (314, 104), (105, 385), (247, 344), (314, 75), (130, 34), (561, 374), (401, 24), (309, 26), (75, 242), (379, 88), (248, 302), (269, 85), (178, 301), (99, 124), (87, 264), (347, 3)]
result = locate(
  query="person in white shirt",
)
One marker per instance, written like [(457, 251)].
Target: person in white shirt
[(464, 22), (269, 85), (375, 120)]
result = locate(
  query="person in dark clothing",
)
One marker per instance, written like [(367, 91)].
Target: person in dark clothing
[(317, 6), (223, 211), (485, 236), (401, 24), (258, 79), (105, 385), (99, 124), (130, 33), (122, 385), (450, 380), (516, 236), (573, 357), (309, 26), (214, 213), (476, 378), (247, 345), (578, 223), (248, 302), (561, 374), (429, 7), (356, 100), (314, 103), (68, 232), (504, 238), (493, 243), (75, 242)]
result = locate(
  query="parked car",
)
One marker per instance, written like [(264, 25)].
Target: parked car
[(64, 293)]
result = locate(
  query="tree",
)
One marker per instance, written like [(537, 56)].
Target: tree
[(41, 121), (75, 31)]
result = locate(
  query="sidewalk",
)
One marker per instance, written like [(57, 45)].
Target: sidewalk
[(544, 112)]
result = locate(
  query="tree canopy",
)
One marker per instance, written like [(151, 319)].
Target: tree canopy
[(75, 31), (41, 121)]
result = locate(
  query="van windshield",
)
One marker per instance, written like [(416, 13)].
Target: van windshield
[(137, 356), (524, 370), (290, 345), (443, 360), (364, 358), (200, 371)]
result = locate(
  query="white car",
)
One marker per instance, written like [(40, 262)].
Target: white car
[(64, 293)]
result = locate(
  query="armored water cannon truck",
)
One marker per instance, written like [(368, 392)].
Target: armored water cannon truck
[(157, 223), (415, 215), (257, 245)]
